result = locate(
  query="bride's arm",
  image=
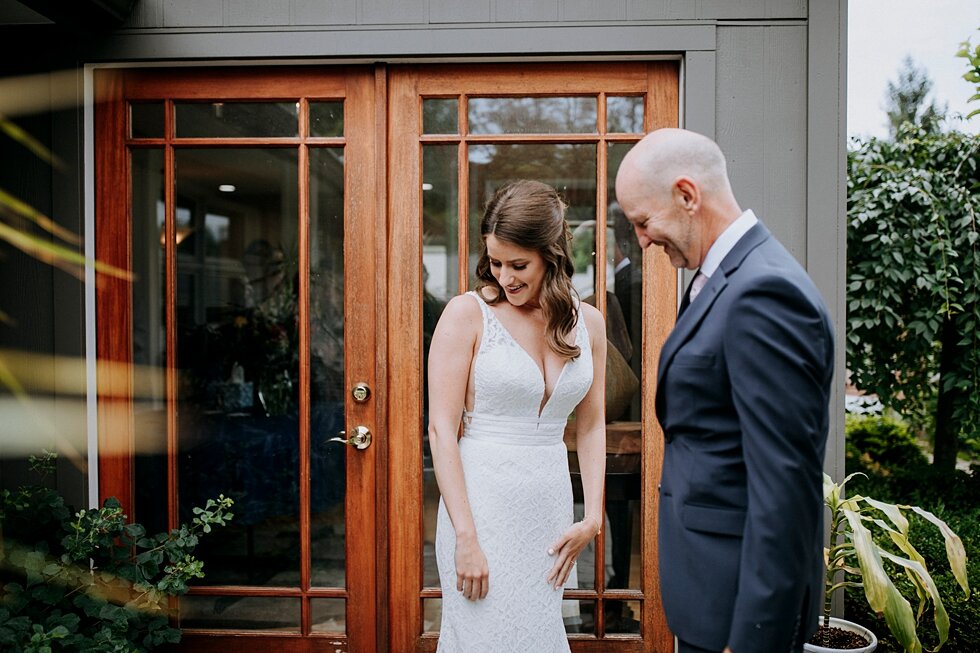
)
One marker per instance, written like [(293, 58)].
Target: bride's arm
[(590, 421), (450, 357)]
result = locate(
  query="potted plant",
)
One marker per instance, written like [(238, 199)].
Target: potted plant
[(864, 534), (88, 580)]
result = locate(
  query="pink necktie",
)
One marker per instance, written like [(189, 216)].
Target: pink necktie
[(697, 285)]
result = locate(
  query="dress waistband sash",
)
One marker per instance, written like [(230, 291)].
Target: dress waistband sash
[(504, 429)]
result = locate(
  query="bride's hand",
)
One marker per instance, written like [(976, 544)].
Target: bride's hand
[(567, 548), (472, 572)]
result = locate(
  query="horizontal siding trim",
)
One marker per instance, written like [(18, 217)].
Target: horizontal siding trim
[(381, 44), (320, 13)]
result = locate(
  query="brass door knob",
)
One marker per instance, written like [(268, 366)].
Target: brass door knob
[(361, 438)]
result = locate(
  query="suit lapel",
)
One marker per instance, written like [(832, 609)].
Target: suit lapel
[(689, 318)]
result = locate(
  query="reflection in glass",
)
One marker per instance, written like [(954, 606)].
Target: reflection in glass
[(326, 119), (149, 338), (327, 459), (624, 327), (570, 168), (237, 357), (623, 617), (624, 115), (532, 115), (146, 119), (328, 615), (236, 119), (252, 613), (440, 270), (579, 616), (431, 615), (440, 116)]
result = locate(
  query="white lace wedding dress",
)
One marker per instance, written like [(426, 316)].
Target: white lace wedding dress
[(516, 470)]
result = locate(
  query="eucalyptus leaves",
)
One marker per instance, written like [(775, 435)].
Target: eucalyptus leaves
[(865, 534)]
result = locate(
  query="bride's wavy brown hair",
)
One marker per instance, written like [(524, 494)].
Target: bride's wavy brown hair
[(531, 215)]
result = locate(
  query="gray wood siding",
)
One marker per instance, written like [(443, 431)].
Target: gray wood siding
[(524, 11), (302, 13), (460, 11), (323, 12), (761, 122), (257, 12)]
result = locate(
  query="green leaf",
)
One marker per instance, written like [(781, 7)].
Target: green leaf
[(940, 616), (56, 255), (40, 151), (892, 512), (882, 595), (955, 552)]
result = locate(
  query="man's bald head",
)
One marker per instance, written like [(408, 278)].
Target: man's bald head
[(674, 190), (666, 154)]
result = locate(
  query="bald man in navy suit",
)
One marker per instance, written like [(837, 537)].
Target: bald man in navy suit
[(742, 395)]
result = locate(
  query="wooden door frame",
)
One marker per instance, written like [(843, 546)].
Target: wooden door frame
[(364, 200), (394, 300), (659, 82)]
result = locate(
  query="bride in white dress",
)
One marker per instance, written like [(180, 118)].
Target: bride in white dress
[(511, 361)]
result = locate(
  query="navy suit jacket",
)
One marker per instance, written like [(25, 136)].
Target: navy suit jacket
[(742, 396)]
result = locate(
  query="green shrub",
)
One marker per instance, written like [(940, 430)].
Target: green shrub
[(880, 444), (87, 580), (954, 498)]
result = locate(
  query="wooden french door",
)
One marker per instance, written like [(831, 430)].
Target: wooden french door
[(293, 234), (246, 204), (456, 133)]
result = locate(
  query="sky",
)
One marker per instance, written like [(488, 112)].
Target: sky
[(880, 33)]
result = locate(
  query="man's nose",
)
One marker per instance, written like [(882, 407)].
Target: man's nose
[(643, 240)]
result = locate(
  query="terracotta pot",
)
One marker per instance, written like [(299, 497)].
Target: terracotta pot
[(843, 624)]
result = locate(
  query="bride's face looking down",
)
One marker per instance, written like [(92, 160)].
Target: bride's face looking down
[(520, 272)]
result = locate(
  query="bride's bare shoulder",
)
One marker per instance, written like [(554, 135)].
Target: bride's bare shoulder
[(594, 322), (461, 312)]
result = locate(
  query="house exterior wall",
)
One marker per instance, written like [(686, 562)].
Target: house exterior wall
[(42, 94), (302, 13), (765, 78)]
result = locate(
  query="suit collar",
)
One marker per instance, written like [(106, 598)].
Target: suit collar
[(752, 239), (689, 319), (726, 241)]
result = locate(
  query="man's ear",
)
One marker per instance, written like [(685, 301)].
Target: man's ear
[(687, 194)]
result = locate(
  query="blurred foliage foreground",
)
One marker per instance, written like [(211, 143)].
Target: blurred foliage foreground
[(88, 581), (897, 471)]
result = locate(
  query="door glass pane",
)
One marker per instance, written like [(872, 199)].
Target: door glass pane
[(532, 115), (236, 119), (579, 616), (571, 169), (149, 339), (624, 115), (440, 116), (237, 357), (253, 613), (624, 325), (623, 617), (146, 119), (431, 615), (440, 271), (327, 459), (328, 615), (326, 118)]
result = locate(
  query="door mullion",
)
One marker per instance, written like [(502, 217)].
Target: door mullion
[(462, 196), (170, 295), (303, 229)]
